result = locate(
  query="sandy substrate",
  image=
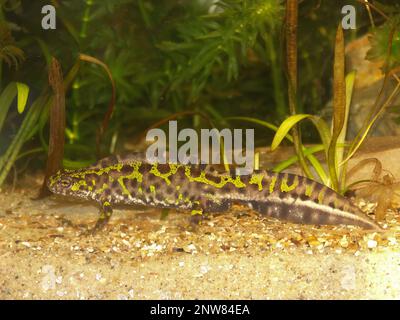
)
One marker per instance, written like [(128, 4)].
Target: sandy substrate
[(44, 254)]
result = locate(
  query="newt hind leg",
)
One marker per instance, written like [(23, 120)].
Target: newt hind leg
[(202, 211)]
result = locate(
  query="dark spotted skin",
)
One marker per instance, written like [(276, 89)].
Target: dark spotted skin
[(200, 189)]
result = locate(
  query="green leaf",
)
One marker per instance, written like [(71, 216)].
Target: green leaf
[(350, 78), (293, 159), (339, 105), (323, 130), (23, 93), (308, 153), (319, 169), (6, 98), (262, 123), (26, 129), (364, 132), (285, 127), (321, 127)]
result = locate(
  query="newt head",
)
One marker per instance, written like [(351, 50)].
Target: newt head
[(65, 183)]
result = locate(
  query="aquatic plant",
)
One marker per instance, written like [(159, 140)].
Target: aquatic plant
[(333, 139)]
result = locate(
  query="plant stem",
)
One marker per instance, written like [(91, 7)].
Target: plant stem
[(85, 19), (291, 56), (276, 78)]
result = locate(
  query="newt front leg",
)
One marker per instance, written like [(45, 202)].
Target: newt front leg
[(105, 215)]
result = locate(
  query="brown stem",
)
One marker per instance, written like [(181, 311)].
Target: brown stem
[(57, 125), (291, 60)]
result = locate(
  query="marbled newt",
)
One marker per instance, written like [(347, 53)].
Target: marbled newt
[(200, 189)]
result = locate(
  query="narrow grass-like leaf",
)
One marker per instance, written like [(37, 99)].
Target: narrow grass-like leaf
[(339, 105), (22, 93), (262, 123), (175, 116), (276, 76), (350, 78), (45, 49), (6, 98), (318, 168), (285, 127), (290, 122), (111, 105), (363, 132), (34, 120), (342, 136), (314, 161), (323, 130), (25, 130), (309, 154), (29, 152), (293, 159), (357, 144)]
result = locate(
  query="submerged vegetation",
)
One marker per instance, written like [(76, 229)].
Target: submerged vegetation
[(266, 63)]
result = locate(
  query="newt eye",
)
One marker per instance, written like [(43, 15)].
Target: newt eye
[(65, 183)]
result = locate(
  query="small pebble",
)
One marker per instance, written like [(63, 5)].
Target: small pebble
[(26, 244), (344, 242), (372, 244)]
